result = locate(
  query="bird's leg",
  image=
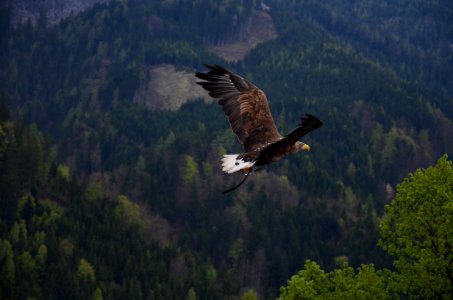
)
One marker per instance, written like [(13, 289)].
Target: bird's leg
[(239, 184)]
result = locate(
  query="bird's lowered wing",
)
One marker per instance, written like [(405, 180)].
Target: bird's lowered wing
[(307, 123)]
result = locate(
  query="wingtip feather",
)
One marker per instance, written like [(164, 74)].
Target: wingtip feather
[(311, 118)]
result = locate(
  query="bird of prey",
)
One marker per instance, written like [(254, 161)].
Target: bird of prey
[(248, 113)]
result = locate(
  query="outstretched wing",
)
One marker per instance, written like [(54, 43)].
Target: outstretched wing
[(307, 123), (244, 104)]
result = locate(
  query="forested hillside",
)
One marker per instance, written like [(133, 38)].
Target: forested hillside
[(54, 10), (413, 38), (103, 196)]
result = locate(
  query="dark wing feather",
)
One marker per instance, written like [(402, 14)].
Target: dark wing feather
[(244, 104), (307, 123)]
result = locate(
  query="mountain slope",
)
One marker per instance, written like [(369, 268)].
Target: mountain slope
[(54, 11), (414, 38)]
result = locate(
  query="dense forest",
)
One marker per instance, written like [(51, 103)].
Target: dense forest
[(103, 197)]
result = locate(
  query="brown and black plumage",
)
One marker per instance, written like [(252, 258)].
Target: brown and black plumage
[(248, 112)]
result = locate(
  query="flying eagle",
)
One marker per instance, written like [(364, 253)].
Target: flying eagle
[(248, 112)]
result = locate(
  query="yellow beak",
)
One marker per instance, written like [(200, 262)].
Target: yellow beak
[(306, 147)]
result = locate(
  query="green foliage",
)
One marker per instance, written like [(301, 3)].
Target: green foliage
[(85, 271), (417, 228), (94, 191), (27, 271), (97, 295), (191, 295), (63, 172), (344, 283), (41, 256), (211, 276), (128, 211), (249, 295), (190, 170), (7, 268)]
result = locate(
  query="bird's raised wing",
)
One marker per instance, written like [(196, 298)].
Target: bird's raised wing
[(244, 104)]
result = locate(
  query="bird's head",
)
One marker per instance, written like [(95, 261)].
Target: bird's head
[(302, 146)]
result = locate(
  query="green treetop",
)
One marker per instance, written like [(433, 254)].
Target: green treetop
[(417, 228)]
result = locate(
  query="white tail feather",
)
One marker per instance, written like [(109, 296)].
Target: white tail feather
[(231, 163)]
